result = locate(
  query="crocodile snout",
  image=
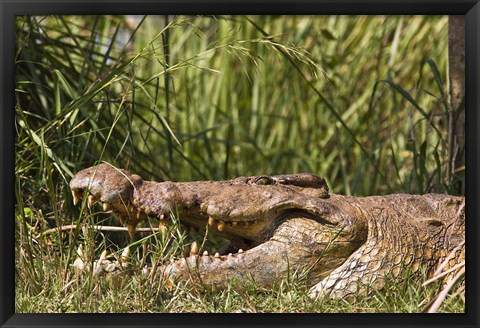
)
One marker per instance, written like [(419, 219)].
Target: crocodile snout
[(105, 183)]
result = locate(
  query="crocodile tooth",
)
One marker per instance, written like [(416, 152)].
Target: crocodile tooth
[(106, 207), (122, 219), (172, 260), (103, 256), (162, 216), (205, 253), (211, 221), (234, 223), (161, 227), (78, 264), (80, 251), (217, 255), (125, 254), (221, 226), (240, 251), (132, 227), (230, 255), (91, 200), (97, 265), (194, 248), (75, 196)]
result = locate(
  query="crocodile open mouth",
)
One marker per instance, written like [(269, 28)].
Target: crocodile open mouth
[(243, 234), (280, 224), (245, 211), (248, 237), (236, 232)]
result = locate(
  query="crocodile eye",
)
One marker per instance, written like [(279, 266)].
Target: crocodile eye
[(263, 181)]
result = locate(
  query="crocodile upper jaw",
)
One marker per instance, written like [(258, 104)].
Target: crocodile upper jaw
[(246, 207)]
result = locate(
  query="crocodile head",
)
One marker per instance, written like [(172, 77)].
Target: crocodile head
[(247, 207), (280, 222)]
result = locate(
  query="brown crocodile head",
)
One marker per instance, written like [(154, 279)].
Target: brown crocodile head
[(286, 223), (268, 217), (247, 207)]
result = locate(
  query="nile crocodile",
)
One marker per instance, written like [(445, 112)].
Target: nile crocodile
[(285, 223)]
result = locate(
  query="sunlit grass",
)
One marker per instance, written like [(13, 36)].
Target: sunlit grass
[(359, 100), (64, 289)]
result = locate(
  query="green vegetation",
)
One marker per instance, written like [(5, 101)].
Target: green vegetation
[(361, 101)]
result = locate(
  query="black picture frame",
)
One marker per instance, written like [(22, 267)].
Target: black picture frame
[(11, 8)]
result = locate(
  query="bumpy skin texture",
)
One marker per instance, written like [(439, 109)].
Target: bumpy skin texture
[(289, 223)]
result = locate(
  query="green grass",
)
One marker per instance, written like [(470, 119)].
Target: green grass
[(57, 287), (361, 101), (133, 297)]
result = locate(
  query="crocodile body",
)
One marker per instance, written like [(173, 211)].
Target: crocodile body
[(286, 223)]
